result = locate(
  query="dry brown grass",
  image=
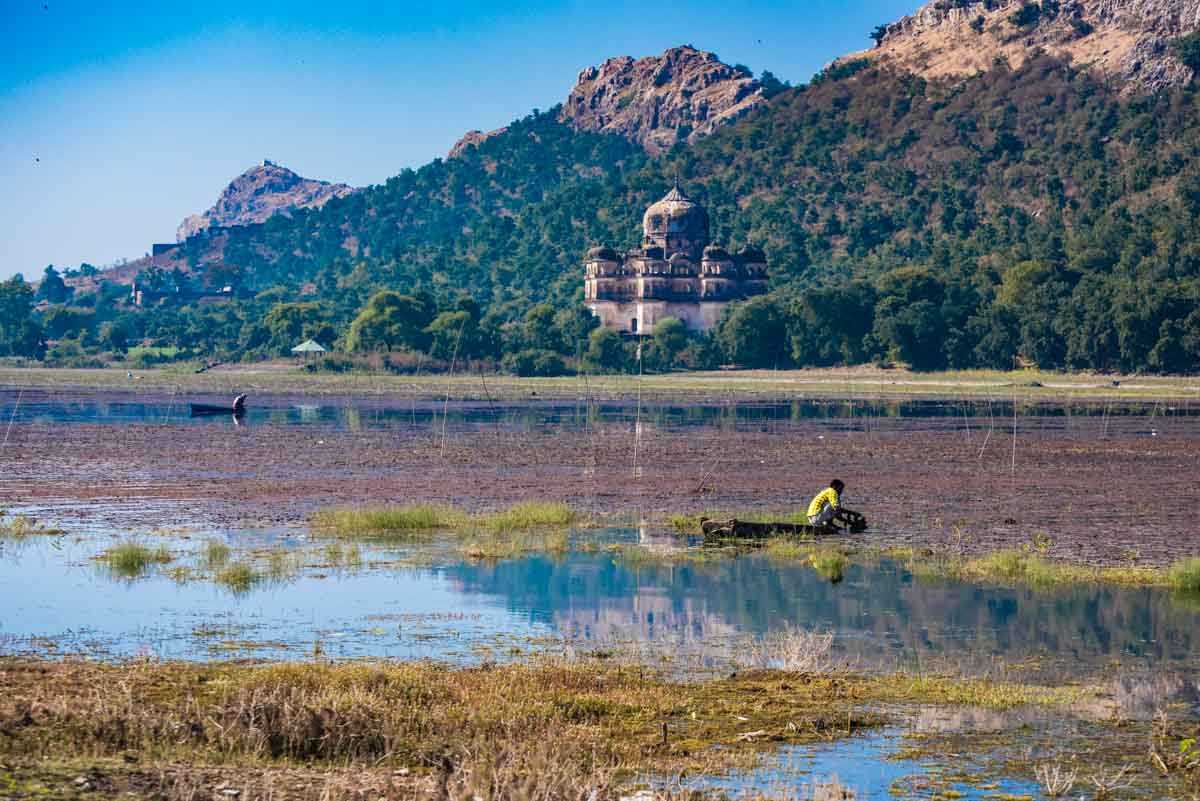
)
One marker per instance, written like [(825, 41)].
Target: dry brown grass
[(543, 731)]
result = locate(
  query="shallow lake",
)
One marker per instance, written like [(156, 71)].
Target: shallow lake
[(600, 594)]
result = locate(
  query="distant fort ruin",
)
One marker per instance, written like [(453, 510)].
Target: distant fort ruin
[(676, 273)]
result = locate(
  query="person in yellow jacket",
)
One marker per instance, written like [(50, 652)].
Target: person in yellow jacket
[(825, 507)]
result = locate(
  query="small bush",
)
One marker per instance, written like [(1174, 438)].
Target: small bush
[(1026, 16), (535, 363), (1187, 50)]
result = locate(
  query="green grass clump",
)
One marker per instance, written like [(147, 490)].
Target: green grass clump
[(830, 564), (509, 544), (528, 515), (685, 524), (386, 520), (338, 555), (239, 577), (18, 528), (788, 548), (1023, 566), (215, 554), (1184, 575), (132, 559)]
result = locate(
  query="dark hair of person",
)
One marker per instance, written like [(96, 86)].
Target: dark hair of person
[(837, 484)]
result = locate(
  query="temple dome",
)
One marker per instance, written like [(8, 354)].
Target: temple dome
[(676, 214), (602, 254), (716, 253)]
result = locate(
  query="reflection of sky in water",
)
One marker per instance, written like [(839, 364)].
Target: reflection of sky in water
[(66, 407), (862, 765), (881, 614)]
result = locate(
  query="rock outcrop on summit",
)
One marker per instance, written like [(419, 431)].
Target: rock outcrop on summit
[(656, 101), (472, 139), (1126, 39), (258, 194)]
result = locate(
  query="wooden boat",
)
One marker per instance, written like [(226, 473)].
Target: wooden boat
[(746, 530), (237, 408)]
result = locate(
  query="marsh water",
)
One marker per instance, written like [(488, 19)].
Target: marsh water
[(617, 587), (68, 407)]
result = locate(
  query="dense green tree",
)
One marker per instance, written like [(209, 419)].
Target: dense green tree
[(389, 321), (68, 321), (538, 329), (574, 325), (289, 324), (755, 334), (52, 287), (829, 325), (670, 338), (605, 352), (20, 335)]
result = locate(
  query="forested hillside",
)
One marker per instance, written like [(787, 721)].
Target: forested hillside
[(1036, 213)]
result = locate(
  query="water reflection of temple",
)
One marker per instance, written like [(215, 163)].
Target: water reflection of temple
[(881, 615)]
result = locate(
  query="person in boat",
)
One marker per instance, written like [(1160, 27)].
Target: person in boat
[(826, 507)]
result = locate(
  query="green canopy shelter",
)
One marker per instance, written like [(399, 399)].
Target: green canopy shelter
[(308, 347)]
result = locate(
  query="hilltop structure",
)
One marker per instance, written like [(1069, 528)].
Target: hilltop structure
[(676, 273)]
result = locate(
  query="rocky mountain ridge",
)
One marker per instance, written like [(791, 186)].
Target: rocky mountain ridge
[(472, 139), (1126, 39), (657, 101), (258, 194)]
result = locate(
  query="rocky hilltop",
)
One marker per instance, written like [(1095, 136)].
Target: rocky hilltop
[(260, 193), (656, 101), (473, 139), (1126, 39)]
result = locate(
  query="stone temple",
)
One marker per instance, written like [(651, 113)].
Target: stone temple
[(675, 273)]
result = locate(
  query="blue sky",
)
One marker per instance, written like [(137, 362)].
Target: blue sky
[(118, 119)]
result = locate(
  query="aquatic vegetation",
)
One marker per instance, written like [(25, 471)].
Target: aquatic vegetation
[(1110, 782), (506, 544), (386, 521), (685, 524), (18, 528), (336, 554), (402, 522), (1055, 779), (283, 565), (1184, 575), (215, 554), (131, 559), (830, 563), (238, 577), (1024, 566), (529, 515), (792, 650)]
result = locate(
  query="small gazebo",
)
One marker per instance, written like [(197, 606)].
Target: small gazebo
[(307, 348)]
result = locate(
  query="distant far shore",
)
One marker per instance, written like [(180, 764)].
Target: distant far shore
[(842, 382)]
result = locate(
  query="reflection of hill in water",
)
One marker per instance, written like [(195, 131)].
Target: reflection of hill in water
[(877, 611)]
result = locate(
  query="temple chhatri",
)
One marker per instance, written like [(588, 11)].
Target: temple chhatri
[(675, 273)]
